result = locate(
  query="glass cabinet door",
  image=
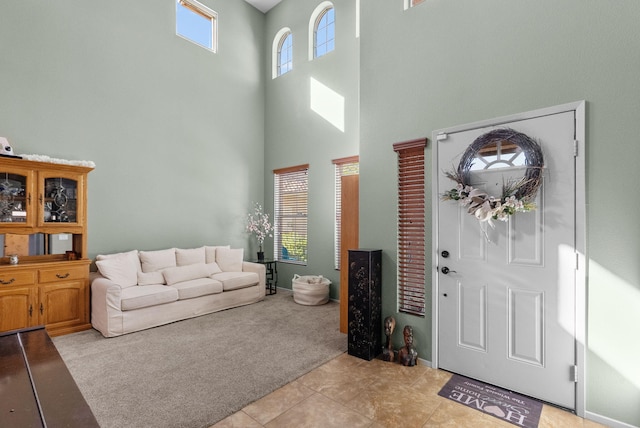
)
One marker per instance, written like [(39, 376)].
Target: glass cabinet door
[(15, 197), (60, 200)]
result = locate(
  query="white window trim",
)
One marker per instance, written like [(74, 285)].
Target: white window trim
[(209, 14), (312, 25), (274, 50)]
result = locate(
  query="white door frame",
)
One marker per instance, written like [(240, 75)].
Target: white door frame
[(580, 233)]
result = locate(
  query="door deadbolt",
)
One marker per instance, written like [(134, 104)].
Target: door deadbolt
[(445, 254)]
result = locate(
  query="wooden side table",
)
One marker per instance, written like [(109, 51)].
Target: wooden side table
[(271, 279)]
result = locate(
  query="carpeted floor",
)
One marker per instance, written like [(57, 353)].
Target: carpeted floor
[(194, 373)]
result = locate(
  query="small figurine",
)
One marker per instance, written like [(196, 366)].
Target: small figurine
[(387, 352), (408, 355)]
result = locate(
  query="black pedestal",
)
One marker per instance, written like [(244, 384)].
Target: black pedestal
[(365, 303)]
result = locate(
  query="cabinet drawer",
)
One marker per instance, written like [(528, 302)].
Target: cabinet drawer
[(63, 273), (17, 278)]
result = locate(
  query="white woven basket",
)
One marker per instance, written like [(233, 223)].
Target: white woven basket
[(310, 290)]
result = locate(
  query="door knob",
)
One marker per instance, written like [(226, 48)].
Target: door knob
[(445, 270)]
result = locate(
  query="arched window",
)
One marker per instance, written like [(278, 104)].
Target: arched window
[(285, 60), (282, 53), (322, 30)]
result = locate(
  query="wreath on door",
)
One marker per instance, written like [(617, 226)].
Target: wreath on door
[(517, 195)]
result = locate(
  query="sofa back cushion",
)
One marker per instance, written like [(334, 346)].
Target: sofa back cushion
[(190, 256), (157, 260), (230, 259), (121, 268), (210, 252)]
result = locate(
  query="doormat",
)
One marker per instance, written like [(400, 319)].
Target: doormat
[(500, 403)]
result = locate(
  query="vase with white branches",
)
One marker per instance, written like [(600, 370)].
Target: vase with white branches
[(258, 224)]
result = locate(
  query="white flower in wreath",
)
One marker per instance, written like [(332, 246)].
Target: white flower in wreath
[(484, 212)]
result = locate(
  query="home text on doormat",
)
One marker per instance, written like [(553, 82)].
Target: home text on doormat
[(500, 403)]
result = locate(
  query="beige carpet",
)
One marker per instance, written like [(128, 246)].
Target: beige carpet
[(196, 372)]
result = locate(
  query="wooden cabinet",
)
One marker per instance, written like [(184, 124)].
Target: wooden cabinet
[(17, 306), (43, 221)]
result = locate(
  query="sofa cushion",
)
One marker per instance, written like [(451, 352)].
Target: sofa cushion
[(120, 269), (185, 273), (235, 280), (210, 252), (133, 254), (230, 260), (157, 260), (150, 278), (150, 295), (197, 287), (190, 256), (213, 268)]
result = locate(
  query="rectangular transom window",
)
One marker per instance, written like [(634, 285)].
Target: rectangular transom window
[(411, 3), (290, 194), (197, 23), (411, 226)]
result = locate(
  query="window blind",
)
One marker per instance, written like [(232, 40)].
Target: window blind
[(411, 226), (343, 166), (291, 186)]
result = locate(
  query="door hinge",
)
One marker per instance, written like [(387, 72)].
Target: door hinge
[(575, 148), (573, 374), (441, 136), (577, 261)]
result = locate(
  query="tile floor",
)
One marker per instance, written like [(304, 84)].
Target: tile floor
[(351, 392)]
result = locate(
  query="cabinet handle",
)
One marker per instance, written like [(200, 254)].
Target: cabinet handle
[(29, 198), (40, 199), (41, 309), (62, 276), (30, 310), (3, 282)]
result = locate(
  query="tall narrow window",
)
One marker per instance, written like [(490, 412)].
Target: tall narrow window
[(291, 188), (343, 167), (282, 52), (322, 30), (197, 23), (325, 33), (285, 54), (411, 226)]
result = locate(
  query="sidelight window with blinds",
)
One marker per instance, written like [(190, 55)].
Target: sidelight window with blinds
[(411, 226), (343, 167), (290, 194)]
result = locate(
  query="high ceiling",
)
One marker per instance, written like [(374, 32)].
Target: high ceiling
[(263, 5)]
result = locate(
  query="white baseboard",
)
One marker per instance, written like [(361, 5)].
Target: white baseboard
[(607, 421), (425, 362)]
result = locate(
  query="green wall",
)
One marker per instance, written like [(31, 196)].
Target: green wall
[(446, 63), (176, 132), (295, 134)]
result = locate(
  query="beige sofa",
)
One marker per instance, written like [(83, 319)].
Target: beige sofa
[(136, 290)]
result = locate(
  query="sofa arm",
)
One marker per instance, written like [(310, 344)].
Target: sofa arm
[(258, 268), (105, 304)]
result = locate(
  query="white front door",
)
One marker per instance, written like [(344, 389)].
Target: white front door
[(506, 294)]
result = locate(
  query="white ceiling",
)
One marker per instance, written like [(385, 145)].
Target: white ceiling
[(263, 5)]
